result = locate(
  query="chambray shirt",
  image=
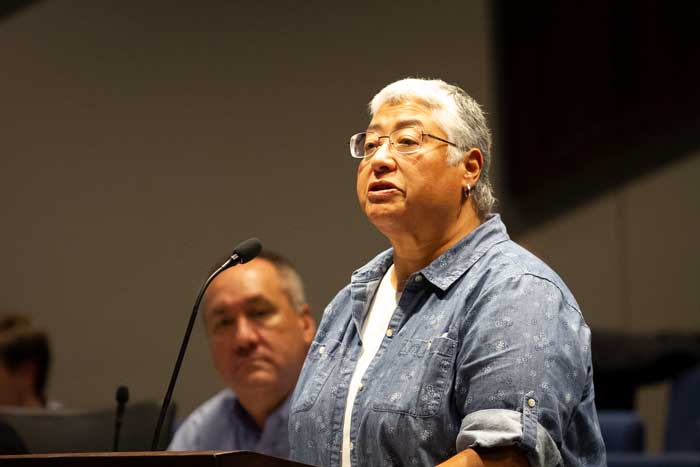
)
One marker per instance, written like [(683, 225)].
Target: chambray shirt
[(222, 424), (487, 347)]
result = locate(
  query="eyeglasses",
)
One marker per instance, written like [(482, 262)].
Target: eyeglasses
[(404, 141)]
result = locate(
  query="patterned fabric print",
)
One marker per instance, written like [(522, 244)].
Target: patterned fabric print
[(488, 348)]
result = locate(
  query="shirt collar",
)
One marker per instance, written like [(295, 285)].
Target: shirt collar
[(449, 266), (277, 417)]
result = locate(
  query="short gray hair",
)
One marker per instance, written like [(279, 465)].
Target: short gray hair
[(459, 115), (292, 285)]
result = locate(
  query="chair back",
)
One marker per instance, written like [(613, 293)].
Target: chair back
[(683, 420), (64, 430), (622, 430)]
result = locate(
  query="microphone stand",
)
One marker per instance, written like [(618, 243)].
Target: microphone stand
[(181, 354), (122, 398), (243, 253)]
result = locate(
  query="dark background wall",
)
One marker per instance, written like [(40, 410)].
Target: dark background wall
[(602, 92), (141, 141)]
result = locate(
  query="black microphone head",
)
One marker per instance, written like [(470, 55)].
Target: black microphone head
[(247, 250), (122, 395)]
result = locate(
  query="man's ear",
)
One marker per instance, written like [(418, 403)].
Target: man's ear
[(308, 323), (473, 163)]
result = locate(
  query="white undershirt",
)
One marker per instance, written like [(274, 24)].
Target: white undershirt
[(373, 331)]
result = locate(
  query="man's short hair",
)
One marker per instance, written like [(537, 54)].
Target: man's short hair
[(292, 285), (291, 279), (21, 342), (459, 115)]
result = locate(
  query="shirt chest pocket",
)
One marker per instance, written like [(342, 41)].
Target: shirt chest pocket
[(416, 380), (320, 361)]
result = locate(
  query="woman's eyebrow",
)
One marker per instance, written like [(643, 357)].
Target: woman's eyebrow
[(400, 124)]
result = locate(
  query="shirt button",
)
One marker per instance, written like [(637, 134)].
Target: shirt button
[(531, 403), (419, 278), (389, 332), (352, 446), (321, 350), (360, 387)]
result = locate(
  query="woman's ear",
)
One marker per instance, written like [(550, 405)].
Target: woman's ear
[(473, 163)]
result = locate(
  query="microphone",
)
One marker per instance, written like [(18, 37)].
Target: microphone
[(122, 397), (244, 252)]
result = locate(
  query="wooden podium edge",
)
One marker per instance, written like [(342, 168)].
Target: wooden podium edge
[(129, 454), (213, 458)]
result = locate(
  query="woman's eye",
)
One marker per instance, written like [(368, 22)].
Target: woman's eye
[(407, 142)]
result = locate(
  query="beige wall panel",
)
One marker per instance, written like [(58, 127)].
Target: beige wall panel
[(582, 246), (142, 140), (662, 214)]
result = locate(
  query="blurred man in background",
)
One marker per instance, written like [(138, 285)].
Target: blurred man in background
[(24, 362), (259, 330)]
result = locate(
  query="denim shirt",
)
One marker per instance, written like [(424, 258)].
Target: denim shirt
[(487, 347)]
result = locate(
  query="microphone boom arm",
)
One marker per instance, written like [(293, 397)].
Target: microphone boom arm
[(243, 253)]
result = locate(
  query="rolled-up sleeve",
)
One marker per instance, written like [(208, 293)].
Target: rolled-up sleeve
[(522, 369)]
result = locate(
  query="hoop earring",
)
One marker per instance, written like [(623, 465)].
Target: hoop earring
[(467, 191)]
